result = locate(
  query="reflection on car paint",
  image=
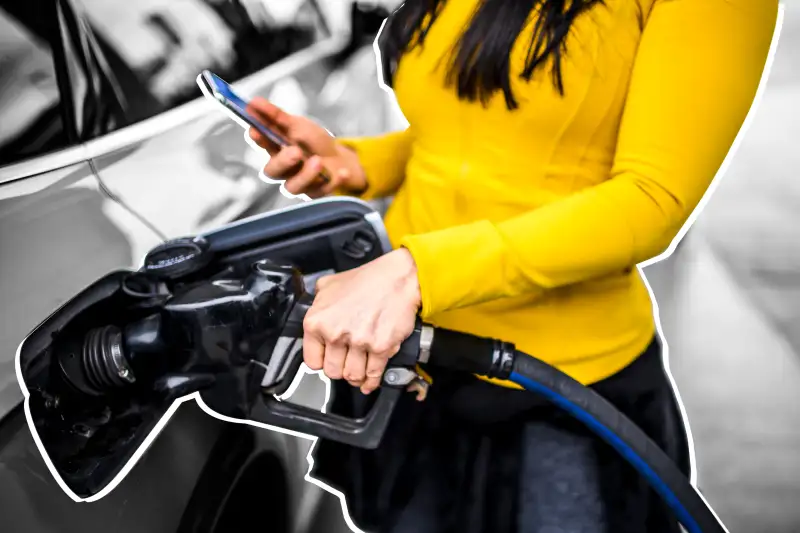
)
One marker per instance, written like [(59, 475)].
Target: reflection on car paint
[(60, 237), (183, 172)]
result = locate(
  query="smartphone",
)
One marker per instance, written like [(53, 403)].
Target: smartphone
[(214, 86)]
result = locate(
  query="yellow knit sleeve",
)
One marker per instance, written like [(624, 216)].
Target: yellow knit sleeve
[(696, 73), (383, 159)]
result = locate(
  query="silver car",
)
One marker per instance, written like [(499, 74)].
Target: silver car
[(107, 148)]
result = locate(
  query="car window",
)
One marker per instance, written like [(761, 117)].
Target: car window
[(156, 48), (31, 121)]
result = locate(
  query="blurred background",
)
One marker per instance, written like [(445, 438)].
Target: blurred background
[(106, 147), (729, 300)]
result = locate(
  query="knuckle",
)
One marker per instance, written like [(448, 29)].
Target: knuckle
[(353, 376), (277, 167), (310, 172), (380, 356), (291, 154), (403, 331), (335, 334), (333, 372), (311, 323), (331, 363), (375, 372), (274, 169), (361, 341), (381, 348)]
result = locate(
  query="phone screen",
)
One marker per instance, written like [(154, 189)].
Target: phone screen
[(223, 93)]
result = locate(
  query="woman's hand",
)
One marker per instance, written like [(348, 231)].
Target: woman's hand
[(360, 318), (301, 173)]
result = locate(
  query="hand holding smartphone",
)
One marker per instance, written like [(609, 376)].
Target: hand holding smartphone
[(216, 88)]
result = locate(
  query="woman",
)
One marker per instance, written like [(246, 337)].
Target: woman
[(552, 147)]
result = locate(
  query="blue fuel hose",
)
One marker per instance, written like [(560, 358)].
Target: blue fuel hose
[(494, 358), (602, 418)]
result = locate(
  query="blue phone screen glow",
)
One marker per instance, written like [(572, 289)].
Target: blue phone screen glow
[(225, 90), (240, 107)]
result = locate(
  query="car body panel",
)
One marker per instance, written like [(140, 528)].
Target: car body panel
[(58, 233), (190, 169), (40, 506), (70, 216)]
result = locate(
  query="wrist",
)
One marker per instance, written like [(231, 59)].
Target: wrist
[(409, 274), (356, 182)]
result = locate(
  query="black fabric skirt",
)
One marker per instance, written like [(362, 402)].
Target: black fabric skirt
[(478, 458)]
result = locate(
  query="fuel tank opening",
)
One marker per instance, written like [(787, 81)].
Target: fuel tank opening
[(103, 359)]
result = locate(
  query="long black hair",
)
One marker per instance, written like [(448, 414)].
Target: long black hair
[(480, 64)]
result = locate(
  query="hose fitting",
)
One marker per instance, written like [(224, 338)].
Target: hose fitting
[(467, 353), (503, 357)]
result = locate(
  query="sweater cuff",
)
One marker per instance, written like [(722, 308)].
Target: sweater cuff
[(383, 159), (459, 266)]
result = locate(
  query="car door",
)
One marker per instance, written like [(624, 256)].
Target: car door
[(58, 232), (177, 159), (58, 229)]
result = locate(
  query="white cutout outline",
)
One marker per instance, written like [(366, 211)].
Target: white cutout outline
[(305, 371)]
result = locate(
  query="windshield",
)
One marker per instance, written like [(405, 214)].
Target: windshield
[(156, 48), (29, 96)]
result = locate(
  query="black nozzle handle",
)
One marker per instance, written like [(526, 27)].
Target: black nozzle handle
[(366, 432), (426, 344)]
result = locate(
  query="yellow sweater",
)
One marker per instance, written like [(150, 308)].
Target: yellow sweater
[(527, 225)]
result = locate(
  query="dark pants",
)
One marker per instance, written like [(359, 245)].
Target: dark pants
[(477, 458)]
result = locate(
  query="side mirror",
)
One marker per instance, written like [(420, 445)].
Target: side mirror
[(93, 412)]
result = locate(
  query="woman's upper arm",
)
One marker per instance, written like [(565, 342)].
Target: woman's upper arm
[(697, 70)]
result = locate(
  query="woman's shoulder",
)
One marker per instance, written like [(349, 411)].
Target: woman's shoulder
[(647, 8)]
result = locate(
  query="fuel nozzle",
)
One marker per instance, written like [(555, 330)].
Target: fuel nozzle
[(225, 328)]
